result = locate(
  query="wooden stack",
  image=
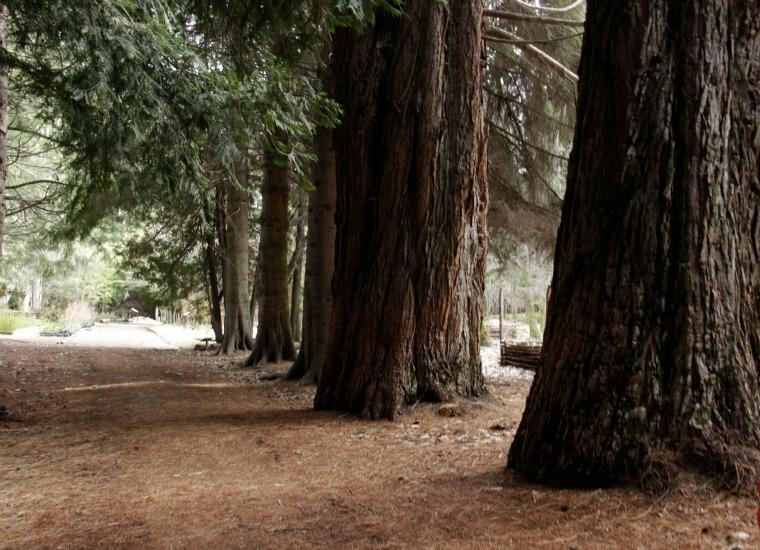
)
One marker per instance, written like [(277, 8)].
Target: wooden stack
[(524, 355)]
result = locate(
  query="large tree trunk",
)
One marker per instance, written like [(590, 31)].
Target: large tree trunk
[(411, 206), (296, 265), (3, 129), (274, 342), (652, 343), (237, 320), (320, 256)]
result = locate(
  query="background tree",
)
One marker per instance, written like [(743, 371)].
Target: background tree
[(108, 82), (320, 258), (320, 245), (651, 347), (295, 265), (282, 33), (3, 127), (237, 294), (274, 341), (530, 112), (136, 94), (173, 248)]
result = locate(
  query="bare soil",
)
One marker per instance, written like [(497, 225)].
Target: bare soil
[(156, 448)]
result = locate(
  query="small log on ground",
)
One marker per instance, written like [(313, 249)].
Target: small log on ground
[(523, 355)]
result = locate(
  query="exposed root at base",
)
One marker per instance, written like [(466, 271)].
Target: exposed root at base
[(734, 468)]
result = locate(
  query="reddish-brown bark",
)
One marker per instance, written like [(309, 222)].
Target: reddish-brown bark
[(651, 345), (411, 206), (273, 339)]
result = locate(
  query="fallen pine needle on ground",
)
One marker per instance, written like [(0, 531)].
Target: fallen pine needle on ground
[(163, 448)]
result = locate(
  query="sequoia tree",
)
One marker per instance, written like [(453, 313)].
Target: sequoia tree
[(237, 312), (410, 211), (274, 341), (320, 255), (320, 250), (652, 349)]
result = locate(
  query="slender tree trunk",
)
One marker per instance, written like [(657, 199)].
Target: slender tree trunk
[(220, 224), (213, 292), (411, 205), (237, 320), (3, 129), (254, 292), (652, 343), (320, 257), (296, 290), (274, 342), (296, 267), (214, 295)]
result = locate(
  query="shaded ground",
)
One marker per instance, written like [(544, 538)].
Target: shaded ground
[(141, 447)]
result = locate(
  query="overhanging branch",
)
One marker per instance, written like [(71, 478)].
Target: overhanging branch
[(33, 182), (567, 8), (532, 51), (537, 41), (513, 16)]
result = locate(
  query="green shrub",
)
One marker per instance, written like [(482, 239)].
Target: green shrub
[(485, 338)]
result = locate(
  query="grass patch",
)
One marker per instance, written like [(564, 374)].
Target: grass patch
[(9, 323)]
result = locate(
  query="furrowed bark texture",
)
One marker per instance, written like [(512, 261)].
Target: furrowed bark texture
[(237, 320), (320, 257), (651, 345), (410, 212), (274, 342)]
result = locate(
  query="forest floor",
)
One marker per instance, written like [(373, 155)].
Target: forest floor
[(153, 447)]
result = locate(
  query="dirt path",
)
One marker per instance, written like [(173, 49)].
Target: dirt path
[(147, 448)]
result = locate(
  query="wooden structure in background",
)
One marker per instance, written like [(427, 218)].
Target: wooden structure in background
[(526, 355)]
